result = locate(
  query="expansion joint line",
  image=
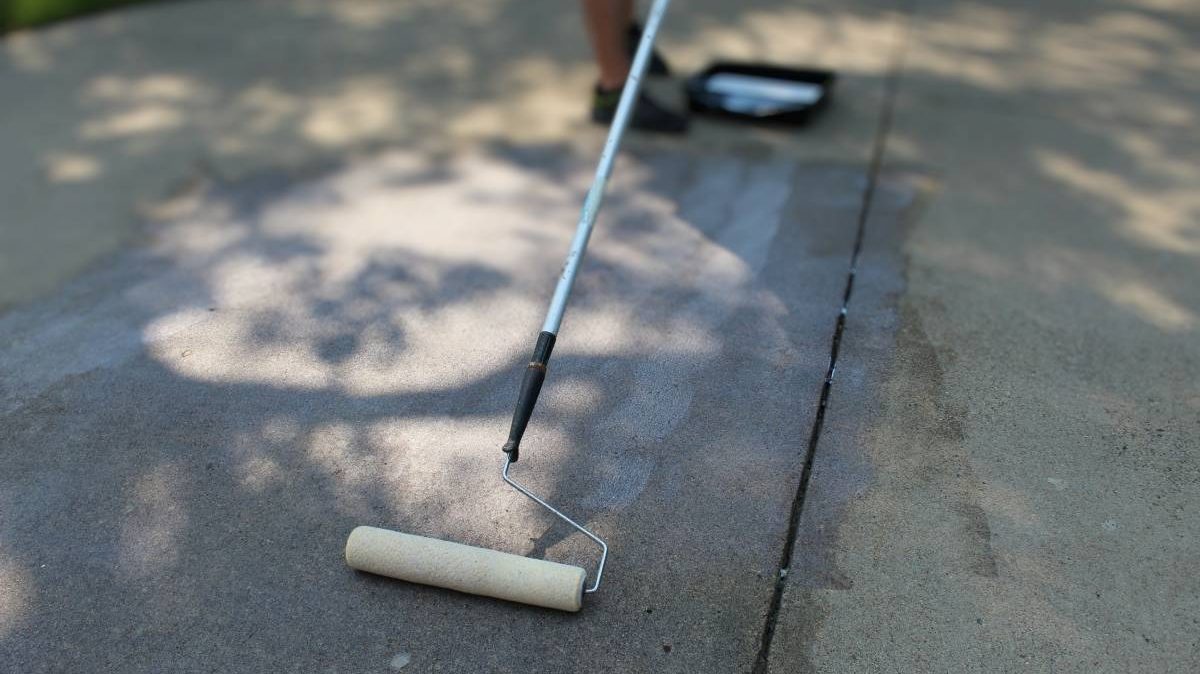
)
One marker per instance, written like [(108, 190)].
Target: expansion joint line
[(879, 145)]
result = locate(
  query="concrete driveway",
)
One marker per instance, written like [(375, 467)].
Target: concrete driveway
[(194, 429), (911, 390)]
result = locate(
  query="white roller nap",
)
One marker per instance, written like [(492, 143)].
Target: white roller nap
[(464, 568)]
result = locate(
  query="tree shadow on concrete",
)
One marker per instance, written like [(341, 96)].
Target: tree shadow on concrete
[(287, 361), (224, 404)]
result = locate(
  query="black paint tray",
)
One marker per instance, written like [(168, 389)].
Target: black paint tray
[(760, 92)]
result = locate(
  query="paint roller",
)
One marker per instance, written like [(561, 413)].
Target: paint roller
[(454, 566)]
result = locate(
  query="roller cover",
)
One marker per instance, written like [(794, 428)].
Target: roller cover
[(464, 568)]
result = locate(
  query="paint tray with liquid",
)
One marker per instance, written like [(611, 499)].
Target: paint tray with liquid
[(760, 92)]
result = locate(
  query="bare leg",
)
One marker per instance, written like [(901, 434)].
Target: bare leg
[(607, 25)]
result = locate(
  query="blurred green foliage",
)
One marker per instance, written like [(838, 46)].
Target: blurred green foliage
[(25, 13)]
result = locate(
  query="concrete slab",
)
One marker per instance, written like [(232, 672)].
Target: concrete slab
[(190, 431), (110, 118), (1006, 486), (194, 424)]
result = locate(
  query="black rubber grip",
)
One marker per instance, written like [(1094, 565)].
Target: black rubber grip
[(531, 386)]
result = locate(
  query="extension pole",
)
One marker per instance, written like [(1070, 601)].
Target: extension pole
[(535, 374)]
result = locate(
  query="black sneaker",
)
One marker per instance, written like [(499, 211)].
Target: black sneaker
[(647, 114), (658, 64)]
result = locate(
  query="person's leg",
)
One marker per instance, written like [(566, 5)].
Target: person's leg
[(608, 23)]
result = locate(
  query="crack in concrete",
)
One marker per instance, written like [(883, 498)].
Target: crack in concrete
[(891, 87)]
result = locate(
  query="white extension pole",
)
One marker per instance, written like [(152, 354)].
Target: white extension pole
[(591, 205)]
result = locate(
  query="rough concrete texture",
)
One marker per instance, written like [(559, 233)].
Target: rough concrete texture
[(192, 431), (107, 118), (1008, 486), (190, 428)]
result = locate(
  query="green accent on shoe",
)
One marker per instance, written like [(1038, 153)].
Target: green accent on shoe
[(606, 99)]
